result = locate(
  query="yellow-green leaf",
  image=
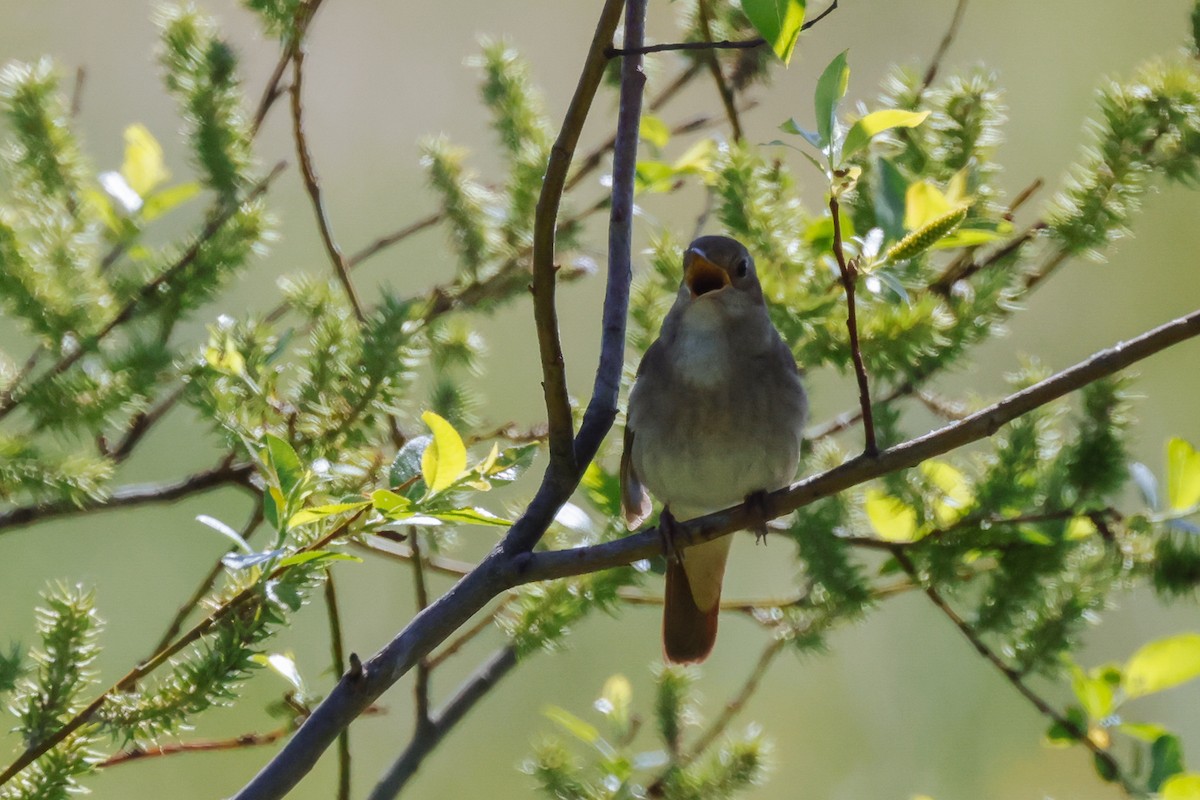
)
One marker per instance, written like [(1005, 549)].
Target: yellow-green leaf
[(1184, 786), (1163, 664), (892, 519), (698, 158), (924, 203), (777, 21), (160, 203), (654, 131), (307, 515), (616, 699), (389, 503), (445, 459), (1080, 527), (956, 492), (143, 168), (1095, 693), (572, 724), (877, 122), (1183, 474)]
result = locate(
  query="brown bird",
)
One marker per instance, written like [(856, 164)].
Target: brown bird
[(715, 416)]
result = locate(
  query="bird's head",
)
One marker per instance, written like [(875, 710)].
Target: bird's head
[(717, 268)]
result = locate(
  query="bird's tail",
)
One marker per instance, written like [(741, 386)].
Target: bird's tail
[(693, 601)]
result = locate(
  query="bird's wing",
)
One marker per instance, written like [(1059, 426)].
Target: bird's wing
[(635, 502)]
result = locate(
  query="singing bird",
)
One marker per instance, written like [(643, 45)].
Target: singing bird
[(715, 417)]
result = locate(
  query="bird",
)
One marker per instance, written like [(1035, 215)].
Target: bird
[(715, 417)]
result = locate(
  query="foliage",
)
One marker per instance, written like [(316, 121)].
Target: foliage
[(369, 432)]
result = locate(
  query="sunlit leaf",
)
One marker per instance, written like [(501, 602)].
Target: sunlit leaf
[(1163, 664), (1166, 760), (316, 555), (572, 724), (1183, 474), (654, 131), (237, 561), (307, 515), (616, 700), (389, 503), (831, 88), (923, 203), (812, 137), (875, 123), (1184, 786), (1146, 731), (1080, 527), (777, 21), (893, 520), (468, 516), (1095, 690), (160, 203), (445, 459), (956, 497), (282, 458), (698, 158), (654, 176), (282, 665), (143, 167), (226, 531)]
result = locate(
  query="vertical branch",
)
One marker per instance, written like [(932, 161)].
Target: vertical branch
[(554, 382), (421, 684), (338, 653), (308, 170), (714, 67), (947, 40), (849, 273), (602, 408)]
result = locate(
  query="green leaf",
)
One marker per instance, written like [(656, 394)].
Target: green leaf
[(143, 167), (968, 237), (654, 131), (875, 123), (615, 701), (572, 724), (831, 88), (890, 187), (1163, 664), (892, 519), (226, 531), (389, 503), (1184, 786), (777, 21), (282, 665), (1080, 527), (511, 463), (445, 459), (316, 555), (1183, 474), (307, 515), (1095, 691), (282, 459), (791, 126), (1146, 731), (1166, 759), (160, 203), (407, 464), (698, 158), (467, 516), (654, 176)]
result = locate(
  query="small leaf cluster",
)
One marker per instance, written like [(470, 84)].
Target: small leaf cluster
[(616, 767)]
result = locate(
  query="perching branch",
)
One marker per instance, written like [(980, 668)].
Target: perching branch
[(849, 273)]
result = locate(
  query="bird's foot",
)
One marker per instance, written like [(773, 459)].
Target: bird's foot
[(671, 532), (759, 508)]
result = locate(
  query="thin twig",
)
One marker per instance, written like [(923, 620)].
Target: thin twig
[(849, 275), (12, 397), (947, 40), (485, 623), (735, 704), (1013, 676), (714, 68), (141, 424), (138, 752), (271, 92), (77, 91), (135, 675), (206, 583), (474, 689), (614, 52), (338, 655), (309, 171), (224, 474)]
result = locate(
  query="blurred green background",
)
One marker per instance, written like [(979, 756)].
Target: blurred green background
[(901, 704)]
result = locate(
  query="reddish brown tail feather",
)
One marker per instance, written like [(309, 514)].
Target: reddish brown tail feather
[(688, 632)]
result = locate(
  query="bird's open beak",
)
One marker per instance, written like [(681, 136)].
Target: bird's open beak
[(701, 275)]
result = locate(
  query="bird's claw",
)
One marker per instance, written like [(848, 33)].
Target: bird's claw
[(669, 530), (758, 505)]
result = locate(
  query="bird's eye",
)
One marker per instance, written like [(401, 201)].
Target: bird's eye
[(743, 268)]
